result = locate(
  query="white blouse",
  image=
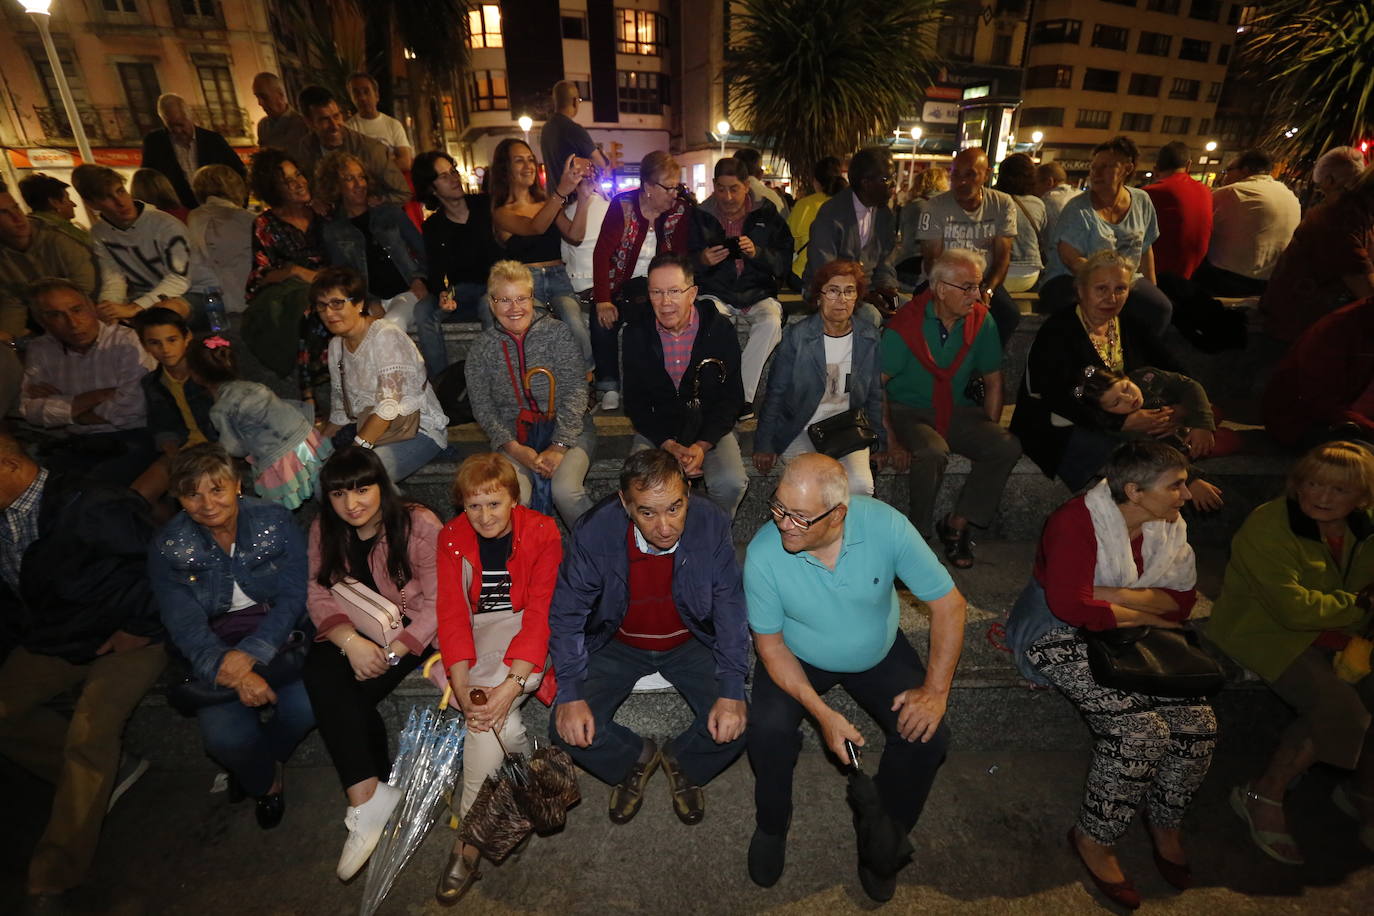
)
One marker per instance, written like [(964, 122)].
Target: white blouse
[(387, 376)]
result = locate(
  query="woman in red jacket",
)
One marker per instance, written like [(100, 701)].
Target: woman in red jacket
[(497, 563)]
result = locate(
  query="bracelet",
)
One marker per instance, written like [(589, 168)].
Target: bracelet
[(517, 678), (361, 442), (345, 642)]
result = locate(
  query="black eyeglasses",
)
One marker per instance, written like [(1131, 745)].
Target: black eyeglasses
[(801, 522)]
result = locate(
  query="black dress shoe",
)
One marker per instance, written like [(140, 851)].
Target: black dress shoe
[(270, 809), (876, 886), (767, 854)]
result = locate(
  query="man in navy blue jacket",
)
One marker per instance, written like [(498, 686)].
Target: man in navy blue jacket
[(663, 594)]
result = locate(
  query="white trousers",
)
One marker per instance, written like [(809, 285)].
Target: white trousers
[(855, 464), (482, 754), (765, 332)]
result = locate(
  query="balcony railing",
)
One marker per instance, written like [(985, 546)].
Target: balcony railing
[(117, 125)]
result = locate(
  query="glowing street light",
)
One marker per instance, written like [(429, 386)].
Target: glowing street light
[(526, 122), (915, 134), (1038, 136), (38, 11), (1211, 146), (722, 131)]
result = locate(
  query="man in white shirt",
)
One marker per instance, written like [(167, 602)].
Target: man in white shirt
[(83, 378), (1253, 219), (980, 219), (578, 258), (1052, 186), (370, 122)]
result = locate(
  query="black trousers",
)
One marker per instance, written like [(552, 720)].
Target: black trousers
[(346, 711), (906, 770)]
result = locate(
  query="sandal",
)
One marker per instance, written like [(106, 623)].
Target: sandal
[(958, 544), (1266, 840), (1344, 796)]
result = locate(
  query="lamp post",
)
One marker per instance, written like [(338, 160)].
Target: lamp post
[(38, 12), (526, 122), (722, 131)]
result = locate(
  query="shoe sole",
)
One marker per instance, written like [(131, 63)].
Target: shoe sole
[(1243, 812), (373, 848), (125, 784)]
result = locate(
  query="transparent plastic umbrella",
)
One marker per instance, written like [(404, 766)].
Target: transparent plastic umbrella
[(427, 764)]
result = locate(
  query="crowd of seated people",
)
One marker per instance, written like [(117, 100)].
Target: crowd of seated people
[(130, 405)]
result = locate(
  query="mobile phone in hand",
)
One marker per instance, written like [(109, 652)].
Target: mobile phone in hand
[(732, 245)]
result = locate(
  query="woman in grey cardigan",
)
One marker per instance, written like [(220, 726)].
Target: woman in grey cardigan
[(527, 337), (825, 365)]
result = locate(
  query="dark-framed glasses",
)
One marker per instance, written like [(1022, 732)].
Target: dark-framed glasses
[(801, 522), (332, 305)]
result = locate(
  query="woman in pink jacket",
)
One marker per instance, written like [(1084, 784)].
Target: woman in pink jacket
[(368, 550)]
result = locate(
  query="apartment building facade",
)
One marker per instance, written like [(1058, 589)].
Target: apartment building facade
[(1150, 69)]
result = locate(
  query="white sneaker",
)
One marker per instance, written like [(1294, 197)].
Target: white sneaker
[(365, 824), (610, 400)]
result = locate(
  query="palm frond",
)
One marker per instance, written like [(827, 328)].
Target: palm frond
[(816, 78)]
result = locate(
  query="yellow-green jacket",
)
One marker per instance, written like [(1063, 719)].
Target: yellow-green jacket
[(1283, 588)]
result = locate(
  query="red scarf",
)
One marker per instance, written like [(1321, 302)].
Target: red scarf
[(909, 323)]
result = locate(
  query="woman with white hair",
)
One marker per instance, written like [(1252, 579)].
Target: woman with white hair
[(1330, 260), (935, 346), (1337, 170)]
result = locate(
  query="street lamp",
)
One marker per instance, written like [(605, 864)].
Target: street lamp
[(526, 122), (38, 11), (915, 135), (1211, 146), (1038, 136), (722, 131)]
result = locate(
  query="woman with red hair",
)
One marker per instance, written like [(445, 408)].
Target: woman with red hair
[(826, 365), (497, 564)]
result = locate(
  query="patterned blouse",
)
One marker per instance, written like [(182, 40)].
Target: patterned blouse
[(277, 244)]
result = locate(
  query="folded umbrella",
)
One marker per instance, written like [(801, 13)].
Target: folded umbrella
[(883, 842), (535, 428)]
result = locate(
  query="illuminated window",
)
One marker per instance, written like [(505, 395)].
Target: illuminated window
[(640, 32), (484, 27), (641, 92), (488, 90)]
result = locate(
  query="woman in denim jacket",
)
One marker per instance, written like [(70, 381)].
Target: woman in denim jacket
[(229, 575), (381, 241), (825, 365)]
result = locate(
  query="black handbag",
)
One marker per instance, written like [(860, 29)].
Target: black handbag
[(188, 693), (1156, 661), (843, 433)]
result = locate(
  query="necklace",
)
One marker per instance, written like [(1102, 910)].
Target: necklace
[(1108, 347)]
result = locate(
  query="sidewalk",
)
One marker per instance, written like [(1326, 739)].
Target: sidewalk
[(991, 841)]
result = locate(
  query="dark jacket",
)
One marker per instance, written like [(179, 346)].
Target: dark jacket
[(85, 575), (164, 416), (796, 382), (194, 581), (759, 279), (835, 234), (593, 593), (393, 231), (656, 409), (1046, 408), (211, 149)]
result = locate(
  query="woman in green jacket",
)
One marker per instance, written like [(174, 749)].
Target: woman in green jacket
[(1297, 588)]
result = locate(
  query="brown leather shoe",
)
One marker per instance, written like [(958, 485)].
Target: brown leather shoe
[(689, 801), (457, 878), (626, 797)]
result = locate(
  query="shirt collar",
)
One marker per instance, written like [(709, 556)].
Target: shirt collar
[(649, 549), (28, 500), (859, 209)]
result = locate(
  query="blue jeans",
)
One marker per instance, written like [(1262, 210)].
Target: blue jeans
[(401, 459), (249, 742), (612, 672), (553, 288), (429, 320)]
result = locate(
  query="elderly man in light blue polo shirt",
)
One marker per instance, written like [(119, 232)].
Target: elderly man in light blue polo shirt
[(824, 612)]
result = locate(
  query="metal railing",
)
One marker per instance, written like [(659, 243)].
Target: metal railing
[(229, 120), (116, 125)]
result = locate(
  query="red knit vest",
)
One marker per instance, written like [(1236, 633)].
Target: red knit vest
[(652, 621)]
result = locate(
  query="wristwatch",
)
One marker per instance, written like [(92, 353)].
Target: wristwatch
[(392, 659), (517, 678)]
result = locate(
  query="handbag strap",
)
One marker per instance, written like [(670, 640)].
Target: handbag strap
[(514, 383)]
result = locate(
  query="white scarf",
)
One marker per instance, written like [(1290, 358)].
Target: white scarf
[(1167, 555)]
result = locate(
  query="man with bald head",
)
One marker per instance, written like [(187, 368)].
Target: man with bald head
[(973, 216), (179, 148), (824, 612), (282, 126), (561, 136)]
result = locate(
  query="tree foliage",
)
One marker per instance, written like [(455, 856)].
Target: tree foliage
[(1318, 55), (815, 78)]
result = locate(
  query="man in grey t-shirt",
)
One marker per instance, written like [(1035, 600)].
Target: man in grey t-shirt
[(972, 216)]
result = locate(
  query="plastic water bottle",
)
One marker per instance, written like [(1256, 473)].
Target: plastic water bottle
[(214, 311)]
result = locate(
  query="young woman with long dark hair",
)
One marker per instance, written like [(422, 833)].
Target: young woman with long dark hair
[(367, 547)]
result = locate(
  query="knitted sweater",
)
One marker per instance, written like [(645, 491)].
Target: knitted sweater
[(548, 343), (622, 234)]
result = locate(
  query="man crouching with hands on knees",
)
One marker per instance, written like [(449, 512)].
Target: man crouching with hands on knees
[(824, 612), (647, 585)]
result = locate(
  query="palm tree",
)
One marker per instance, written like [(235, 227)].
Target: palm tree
[(1317, 56), (816, 78)]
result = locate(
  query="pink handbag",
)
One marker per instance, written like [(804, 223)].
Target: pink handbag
[(371, 614)]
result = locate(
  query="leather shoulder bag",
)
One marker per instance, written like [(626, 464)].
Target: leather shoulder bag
[(1156, 661), (843, 433)]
